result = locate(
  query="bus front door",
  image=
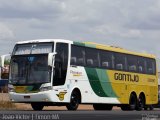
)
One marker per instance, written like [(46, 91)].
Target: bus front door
[(61, 63)]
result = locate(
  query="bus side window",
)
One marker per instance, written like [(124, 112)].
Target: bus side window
[(106, 59), (150, 66), (141, 65), (89, 62), (73, 60), (132, 63), (120, 61), (140, 68), (77, 55), (92, 57), (119, 66), (105, 64)]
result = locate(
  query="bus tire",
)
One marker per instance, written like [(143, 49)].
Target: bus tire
[(132, 103), (74, 101), (37, 106), (151, 107), (140, 103), (102, 107)]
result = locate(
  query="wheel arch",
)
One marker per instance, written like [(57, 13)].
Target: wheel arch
[(134, 93), (78, 91), (142, 94)]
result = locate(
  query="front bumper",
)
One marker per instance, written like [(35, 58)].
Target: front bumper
[(45, 96)]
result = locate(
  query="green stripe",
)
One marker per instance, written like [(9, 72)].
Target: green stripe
[(100, 83), (78, 43), (94, 82), (90, 45), (105, 83), (83, 44)]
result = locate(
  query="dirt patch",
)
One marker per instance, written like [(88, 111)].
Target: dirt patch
[(5, 103)]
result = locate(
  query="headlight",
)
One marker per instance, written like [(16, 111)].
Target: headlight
[(11, 88), (46, 88)]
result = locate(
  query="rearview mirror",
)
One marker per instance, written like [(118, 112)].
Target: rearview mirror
[(51, 57)]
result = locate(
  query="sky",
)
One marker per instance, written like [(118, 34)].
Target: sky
[(130, 24)]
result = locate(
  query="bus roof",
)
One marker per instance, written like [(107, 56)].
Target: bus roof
[(44, 40), (90, 44), (114, 49)]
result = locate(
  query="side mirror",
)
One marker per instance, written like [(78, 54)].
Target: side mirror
[(51, 57)]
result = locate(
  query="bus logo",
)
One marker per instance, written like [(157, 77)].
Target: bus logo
[(61, 95)]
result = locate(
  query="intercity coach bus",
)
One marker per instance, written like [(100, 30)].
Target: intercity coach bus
[(50, 72)]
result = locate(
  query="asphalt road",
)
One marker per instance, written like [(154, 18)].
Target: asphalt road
[(80, 115)]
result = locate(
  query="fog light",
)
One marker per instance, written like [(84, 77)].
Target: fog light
[(11, 88), (45, 88), (46, 99)]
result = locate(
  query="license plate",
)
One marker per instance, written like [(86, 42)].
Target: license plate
[(26, 97)]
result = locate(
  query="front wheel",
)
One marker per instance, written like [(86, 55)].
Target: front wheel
[(37, 106), (74, 101)]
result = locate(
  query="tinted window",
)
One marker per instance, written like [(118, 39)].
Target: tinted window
[(77, 55), (92, 59), (61, 62), (150, 66), (131, 63), (36, 48), (141, 65), (120, 61), (106, 59)]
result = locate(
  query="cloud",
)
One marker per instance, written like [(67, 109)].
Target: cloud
[(6, 39), (5, 32), (41, 9), (130, 24)]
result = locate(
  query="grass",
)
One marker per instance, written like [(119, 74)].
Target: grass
[(7, 105)]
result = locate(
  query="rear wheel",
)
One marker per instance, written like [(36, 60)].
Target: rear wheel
[(132, 103), (37, 106), (74, 101), (140, 103), (151, 107)]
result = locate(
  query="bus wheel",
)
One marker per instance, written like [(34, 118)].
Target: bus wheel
[(132, 103), (74, 101), (140, 103), (102, 107), (151, 107), (37, 106)]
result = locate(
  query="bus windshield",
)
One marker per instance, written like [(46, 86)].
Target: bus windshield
[(33, 48), (29, 69)]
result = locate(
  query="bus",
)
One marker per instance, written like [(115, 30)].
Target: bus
[(4, 72), (57, 72)]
